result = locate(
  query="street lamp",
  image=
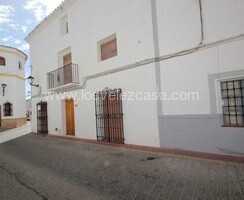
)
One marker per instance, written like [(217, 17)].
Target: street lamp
[(4, 85), (31, 81)]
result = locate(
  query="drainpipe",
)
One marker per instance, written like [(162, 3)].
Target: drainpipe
[(157, 64), (156, 54), (201, 23)]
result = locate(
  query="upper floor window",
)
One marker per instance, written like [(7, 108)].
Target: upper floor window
[(64, 25), (2, 61), (8, 109), (108, 48), (233, 102)]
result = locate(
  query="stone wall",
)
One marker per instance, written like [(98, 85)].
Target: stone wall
[(13, 123)]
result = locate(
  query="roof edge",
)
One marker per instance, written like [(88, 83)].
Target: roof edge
[(13, 48), (55, 12)]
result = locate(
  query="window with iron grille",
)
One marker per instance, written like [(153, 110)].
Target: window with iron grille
[(8, 109), (109, 116), (2, 61), (233, 102), (108, 48), (42, 117)]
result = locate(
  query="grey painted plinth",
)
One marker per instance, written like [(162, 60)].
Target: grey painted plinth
[(201, 133)]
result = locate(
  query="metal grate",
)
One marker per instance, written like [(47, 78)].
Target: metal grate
[(42, 118), (233, 102), (62, 76), (109, 116), (8, 109)]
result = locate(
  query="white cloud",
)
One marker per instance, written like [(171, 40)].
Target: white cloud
[(6, 12), (41, 8), (17, 41), (7, 39), (24, 28), (28, 21), (14, 26)]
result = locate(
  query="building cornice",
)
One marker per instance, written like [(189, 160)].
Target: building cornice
[(12, 50), (65, 4)]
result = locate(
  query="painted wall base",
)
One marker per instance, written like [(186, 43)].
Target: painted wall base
[(13, 123), (200, 133)]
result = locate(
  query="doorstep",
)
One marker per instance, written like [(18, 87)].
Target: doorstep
[(176, 152)]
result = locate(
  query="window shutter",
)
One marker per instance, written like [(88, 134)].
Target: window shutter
[(109, 49)]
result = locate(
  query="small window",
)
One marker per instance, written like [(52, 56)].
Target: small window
[(2, 61), (232, 93), (20, 65), (108, 48), (8, 109), (64, 25)]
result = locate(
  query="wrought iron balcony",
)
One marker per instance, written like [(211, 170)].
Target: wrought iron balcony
[(67, 75)]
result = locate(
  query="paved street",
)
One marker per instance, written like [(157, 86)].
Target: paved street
[(40, 167)]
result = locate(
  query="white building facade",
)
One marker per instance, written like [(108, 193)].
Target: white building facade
[(12, 83), (178, 65)]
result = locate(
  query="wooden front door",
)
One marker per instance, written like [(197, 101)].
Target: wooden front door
[(70, 117)]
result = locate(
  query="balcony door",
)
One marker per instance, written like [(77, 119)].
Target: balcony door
[(70, 117), (67, 68)]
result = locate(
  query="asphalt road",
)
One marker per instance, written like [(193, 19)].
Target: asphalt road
[(37, 167)]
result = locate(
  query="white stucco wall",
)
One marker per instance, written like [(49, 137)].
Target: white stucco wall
[(190, 74), (133, 41), (136, 112), (11, 75), (179, 28)]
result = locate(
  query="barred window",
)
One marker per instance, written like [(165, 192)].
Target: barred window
[(233, 102), (109, 49), (2, 61), (8, 109)]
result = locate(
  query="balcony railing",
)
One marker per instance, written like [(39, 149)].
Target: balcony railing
[(65, 75)]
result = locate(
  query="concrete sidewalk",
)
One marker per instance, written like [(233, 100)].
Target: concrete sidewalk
[(15, 133)]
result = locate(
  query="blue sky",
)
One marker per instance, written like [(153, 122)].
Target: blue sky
[(18, 18)]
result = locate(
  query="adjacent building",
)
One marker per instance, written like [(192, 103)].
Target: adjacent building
[(160, 73), (12, 87)]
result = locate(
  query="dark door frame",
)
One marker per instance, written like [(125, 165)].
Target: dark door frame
[(42, 117)]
